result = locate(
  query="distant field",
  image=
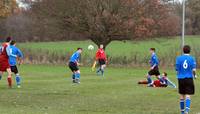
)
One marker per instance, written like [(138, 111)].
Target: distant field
[(134, 52), (48, 90)]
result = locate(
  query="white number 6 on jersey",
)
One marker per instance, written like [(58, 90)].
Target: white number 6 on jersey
[(185, 64)]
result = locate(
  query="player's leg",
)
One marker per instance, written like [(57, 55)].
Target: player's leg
[(190, 90), (1, 74), (14, 69), (143, 82), (182, 92), (149, 80), (182, 103), (9, 78), (99, 68), (187, 103), (72, 68), (77, 76), (102, 69)]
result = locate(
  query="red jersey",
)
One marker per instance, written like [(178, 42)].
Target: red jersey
[(100, 54), (3, 54), (4, 59)]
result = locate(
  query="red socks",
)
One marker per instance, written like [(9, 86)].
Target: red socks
[(9, 81)]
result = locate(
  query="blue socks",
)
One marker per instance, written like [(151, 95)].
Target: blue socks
[(18, 79), (73, 76), (77, 75), (187, 104), (182, 105), (149, 79)]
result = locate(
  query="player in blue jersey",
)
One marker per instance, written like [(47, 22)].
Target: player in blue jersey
[(154, 70), (186, 71), (13, 61), (73, 65)]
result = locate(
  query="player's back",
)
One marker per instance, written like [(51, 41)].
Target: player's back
[(12, 59), (3, 54), (74, 57), (184, 66)]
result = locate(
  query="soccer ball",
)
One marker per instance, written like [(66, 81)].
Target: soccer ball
[(90, 47)]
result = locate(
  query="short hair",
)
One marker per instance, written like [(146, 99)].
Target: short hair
[(186, 49), (153, 49), (79, 48), (13, 42), (8, 39), (165, 74)]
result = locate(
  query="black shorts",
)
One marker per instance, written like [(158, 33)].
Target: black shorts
[(14, 69), (102, 62), (154, 71), (73, 66), (186, 86)]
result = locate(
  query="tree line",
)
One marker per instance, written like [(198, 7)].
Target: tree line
[(101, 21)]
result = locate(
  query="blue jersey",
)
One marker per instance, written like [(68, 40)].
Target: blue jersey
[(14, 51), (75, 57), (184, 66), (154, 60)]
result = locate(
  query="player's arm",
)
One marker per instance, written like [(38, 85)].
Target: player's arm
[(170, 83), (9, 53), (177, 65), (0, 49), (97, 55), (194, 69), (20, 55)]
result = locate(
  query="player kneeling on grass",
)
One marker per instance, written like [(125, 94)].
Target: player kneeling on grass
[(13, 61), (154, 70), (73, 65), (157, 83), (186, 71), (101, 58)]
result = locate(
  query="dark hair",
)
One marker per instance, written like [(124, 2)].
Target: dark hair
[(153, 49), (186, 49), (79, 48), (13, 42), (165, 74), (8, 39)]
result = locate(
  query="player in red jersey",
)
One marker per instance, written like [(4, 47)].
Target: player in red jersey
[(101, 58), (4, 60)]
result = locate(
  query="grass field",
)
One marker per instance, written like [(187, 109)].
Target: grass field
[(133, 53), (48, 90)]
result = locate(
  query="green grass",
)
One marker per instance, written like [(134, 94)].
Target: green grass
[(115, 48), (133, 53), (48, 90)]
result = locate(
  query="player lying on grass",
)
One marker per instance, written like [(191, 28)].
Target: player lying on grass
[(186, 71), (101, 58), (73, 65), (154, 70), (157, 83), (4, 60), (13, 61)]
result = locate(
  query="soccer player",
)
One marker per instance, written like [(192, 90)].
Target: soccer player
[(157, 83), (4, 60), (186, 71), (101, 58), (154, 70), (73, 65), (13, 61)]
